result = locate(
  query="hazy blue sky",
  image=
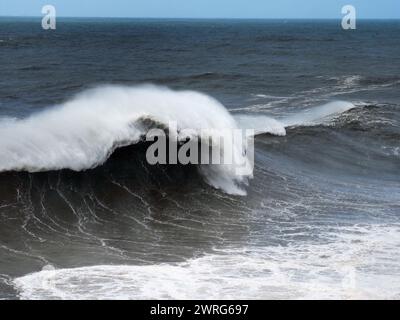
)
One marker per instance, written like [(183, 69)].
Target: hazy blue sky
[(204, 8)]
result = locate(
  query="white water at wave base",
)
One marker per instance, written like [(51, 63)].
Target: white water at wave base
[(82, 133), (346, 267)]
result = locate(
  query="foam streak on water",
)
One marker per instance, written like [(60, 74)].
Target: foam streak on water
[(343, 268)]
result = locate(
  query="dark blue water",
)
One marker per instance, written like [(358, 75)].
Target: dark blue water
[(321, 217)]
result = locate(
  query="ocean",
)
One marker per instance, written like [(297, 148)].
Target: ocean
[(84, 216)]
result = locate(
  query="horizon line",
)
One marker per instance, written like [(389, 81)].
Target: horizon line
[(190, 18)]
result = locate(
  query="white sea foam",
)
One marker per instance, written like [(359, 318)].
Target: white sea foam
[(359, 262), (261, 124), (313, 116), (316, 115)]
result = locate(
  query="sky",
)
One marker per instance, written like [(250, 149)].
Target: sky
[(289, 9)]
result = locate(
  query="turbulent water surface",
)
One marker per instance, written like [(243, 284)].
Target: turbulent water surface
[(83, 215)]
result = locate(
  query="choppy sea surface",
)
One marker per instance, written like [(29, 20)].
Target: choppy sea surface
[(84, 216)]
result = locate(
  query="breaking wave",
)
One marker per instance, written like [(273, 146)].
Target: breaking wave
[(82, 133)]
